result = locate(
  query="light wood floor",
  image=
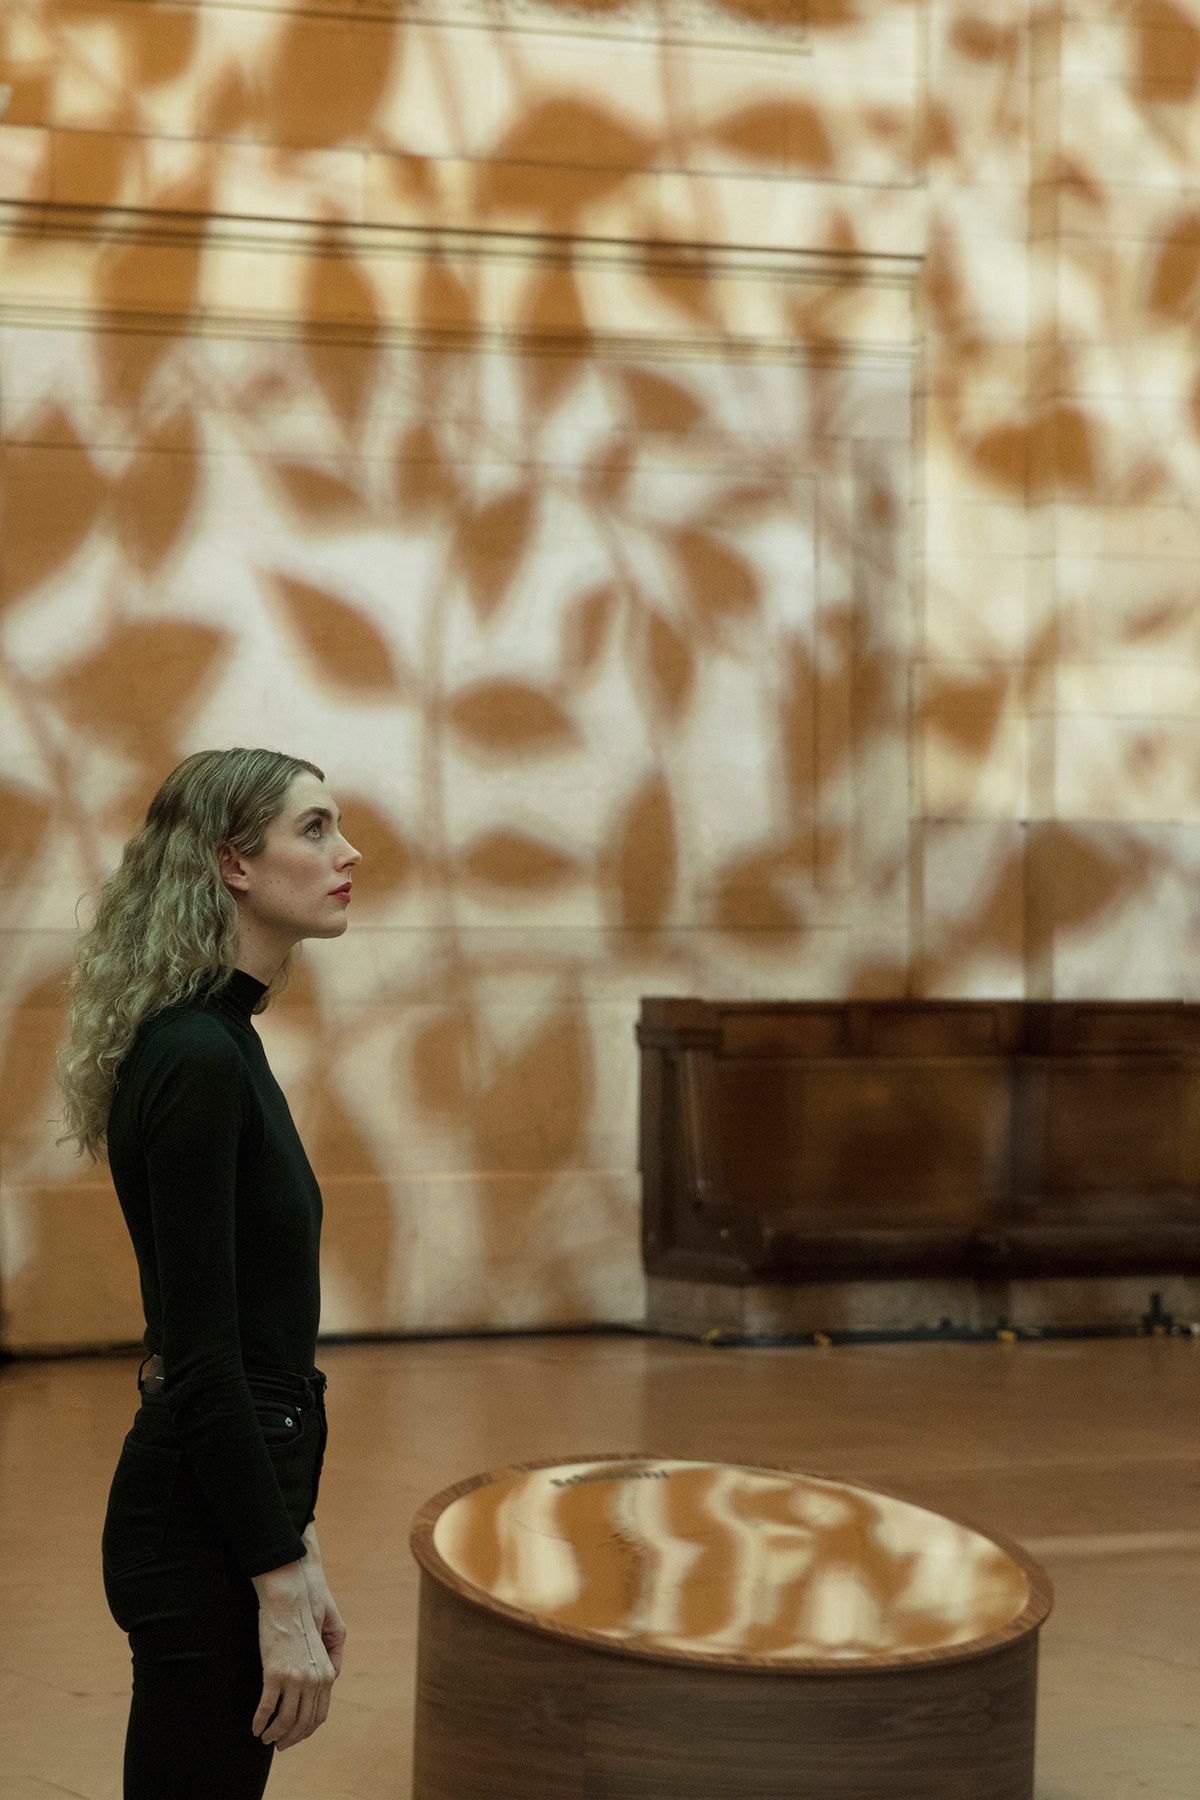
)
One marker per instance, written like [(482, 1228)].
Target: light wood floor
[(1086, 1452)]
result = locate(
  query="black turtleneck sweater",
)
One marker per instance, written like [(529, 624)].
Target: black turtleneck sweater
[(225, 1216)]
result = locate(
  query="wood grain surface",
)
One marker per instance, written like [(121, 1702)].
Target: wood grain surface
[(505, 1712), (919, 1139), (513, 1706)]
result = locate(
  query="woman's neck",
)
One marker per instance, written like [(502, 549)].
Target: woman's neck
[(261, 951)]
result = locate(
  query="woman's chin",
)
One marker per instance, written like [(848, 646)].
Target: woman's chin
[(328, 927)]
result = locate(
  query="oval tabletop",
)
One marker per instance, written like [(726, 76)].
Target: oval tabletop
[(722, 1563)]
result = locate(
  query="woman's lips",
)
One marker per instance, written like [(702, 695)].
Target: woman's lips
[(342, 893)]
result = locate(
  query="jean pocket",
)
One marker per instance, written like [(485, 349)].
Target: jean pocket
[(139, 1506), (280, 1422)]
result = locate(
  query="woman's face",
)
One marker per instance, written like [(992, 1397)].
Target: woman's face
[(298, 885)]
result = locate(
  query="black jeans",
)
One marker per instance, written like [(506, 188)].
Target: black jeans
[(191, 1614)]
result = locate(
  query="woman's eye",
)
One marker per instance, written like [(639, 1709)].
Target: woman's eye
[(314, 827)]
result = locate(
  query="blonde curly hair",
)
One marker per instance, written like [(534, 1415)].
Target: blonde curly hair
[(166, 924)]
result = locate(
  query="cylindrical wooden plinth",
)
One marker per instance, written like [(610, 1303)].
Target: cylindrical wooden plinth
[(625, 1629)]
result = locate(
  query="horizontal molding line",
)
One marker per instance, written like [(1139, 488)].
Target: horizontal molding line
[(160, 229), (1115, 1543), (606, 346), (770, 38)]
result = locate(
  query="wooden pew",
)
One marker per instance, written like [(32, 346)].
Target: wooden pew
[(977, 1143)]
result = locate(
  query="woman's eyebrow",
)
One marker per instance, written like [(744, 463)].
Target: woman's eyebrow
[(318, 812)]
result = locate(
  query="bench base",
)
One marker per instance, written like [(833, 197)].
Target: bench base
[(697, 1309), (506, 1712)]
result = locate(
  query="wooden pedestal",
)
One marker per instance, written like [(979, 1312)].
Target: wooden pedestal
[(717, 1664)]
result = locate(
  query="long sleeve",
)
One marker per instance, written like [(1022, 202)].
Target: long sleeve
[(192, 1109)]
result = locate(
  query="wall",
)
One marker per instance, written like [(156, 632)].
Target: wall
[(711, 485)]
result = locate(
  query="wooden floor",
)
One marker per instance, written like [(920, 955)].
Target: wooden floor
[(1088, 1453)]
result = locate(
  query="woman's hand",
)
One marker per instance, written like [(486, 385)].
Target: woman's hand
[(326, 1616), (297, 1672)]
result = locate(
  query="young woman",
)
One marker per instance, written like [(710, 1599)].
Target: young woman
[(211, 1560)]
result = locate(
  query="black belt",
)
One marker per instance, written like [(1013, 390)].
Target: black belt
[(263, 1381)]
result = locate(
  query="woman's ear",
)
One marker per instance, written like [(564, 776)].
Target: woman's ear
[(234, 872)]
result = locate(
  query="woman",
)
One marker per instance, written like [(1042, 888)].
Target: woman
[(211, 1559)]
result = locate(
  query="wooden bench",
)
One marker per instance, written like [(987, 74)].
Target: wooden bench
[(971, 1145), (662, 1630)]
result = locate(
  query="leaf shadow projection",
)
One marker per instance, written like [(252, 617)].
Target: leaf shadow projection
[(587, 624), (161, 281), (1166, 62), (390, 864), (79, 1287), (967, 712), (27, 820), (137, 691), (322, 501), (524, 1112), (660, 404), (638, 867), (357, 1233), (759, 890), (338, 293), (509, 719), (157, 495), (1076, 877), (1061, 882), (561, 156), (92, 166), (425, 483), (1175, 273), (444, 301), (605, 480), (670, 666), (1055, 453), (529, 1115), (161, 45), (720, 585), (442, 1061), (993, 928), (326, 80), (27, 1093), (513, 865), (343, 645), (752, 897), (128, 362), (775, 132), (682, 276), (554, 316), (492, 543), (53, 494)]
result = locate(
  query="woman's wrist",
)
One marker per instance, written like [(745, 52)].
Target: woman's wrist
[(282, 1586)]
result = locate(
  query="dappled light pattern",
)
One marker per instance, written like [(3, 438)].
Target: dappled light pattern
[(725, 1562), (711, 481)]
